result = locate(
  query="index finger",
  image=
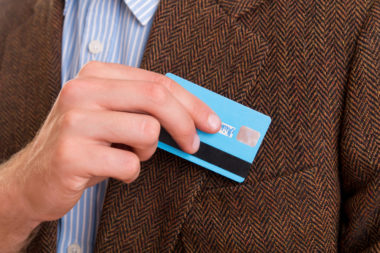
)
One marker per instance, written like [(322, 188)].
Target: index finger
[(204, 117)]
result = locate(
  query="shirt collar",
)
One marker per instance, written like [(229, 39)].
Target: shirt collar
[(142, 9)]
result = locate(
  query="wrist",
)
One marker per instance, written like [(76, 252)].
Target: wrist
[(16, 224)]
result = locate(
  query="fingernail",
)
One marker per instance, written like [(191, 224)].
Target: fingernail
[(196, 142), (214, 121)]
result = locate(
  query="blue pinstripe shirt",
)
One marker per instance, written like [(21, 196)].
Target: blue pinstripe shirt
[(108, 31)]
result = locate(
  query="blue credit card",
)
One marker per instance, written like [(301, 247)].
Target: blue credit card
[(231, 151)]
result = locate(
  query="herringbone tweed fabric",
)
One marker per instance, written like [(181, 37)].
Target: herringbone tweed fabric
[(313, 66)]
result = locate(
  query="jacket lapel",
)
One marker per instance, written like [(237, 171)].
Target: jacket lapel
[(30, 71), (200, 42)]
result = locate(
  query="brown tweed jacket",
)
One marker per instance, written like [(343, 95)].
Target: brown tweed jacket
[(313, 66)]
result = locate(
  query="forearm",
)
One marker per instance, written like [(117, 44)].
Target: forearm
[(16, 226)]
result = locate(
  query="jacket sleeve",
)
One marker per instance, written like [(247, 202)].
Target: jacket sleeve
[(359, 144)]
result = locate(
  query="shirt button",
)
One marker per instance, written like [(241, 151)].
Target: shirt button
[(95, 47), (74, 248)]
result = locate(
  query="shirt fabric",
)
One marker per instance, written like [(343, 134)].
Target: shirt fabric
[(107, 31)]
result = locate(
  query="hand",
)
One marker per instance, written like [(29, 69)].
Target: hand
[(104, 104)]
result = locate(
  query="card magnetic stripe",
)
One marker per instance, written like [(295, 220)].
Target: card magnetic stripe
[(213, 155)]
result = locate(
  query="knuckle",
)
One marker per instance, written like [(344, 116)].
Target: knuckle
[(71, 119), (157, 93), (133, 169), (151, 130), (164, 81), (72, 90)]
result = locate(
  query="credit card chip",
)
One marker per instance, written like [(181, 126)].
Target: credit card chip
[(248, 136)]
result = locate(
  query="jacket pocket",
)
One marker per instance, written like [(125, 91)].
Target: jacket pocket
[(279, 215), (238, 8)]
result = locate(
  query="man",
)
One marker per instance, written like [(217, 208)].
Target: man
[(311, 65)]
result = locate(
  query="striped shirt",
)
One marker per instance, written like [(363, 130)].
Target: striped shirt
[(108, 31)]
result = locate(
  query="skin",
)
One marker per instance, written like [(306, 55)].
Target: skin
[(105, 104)]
